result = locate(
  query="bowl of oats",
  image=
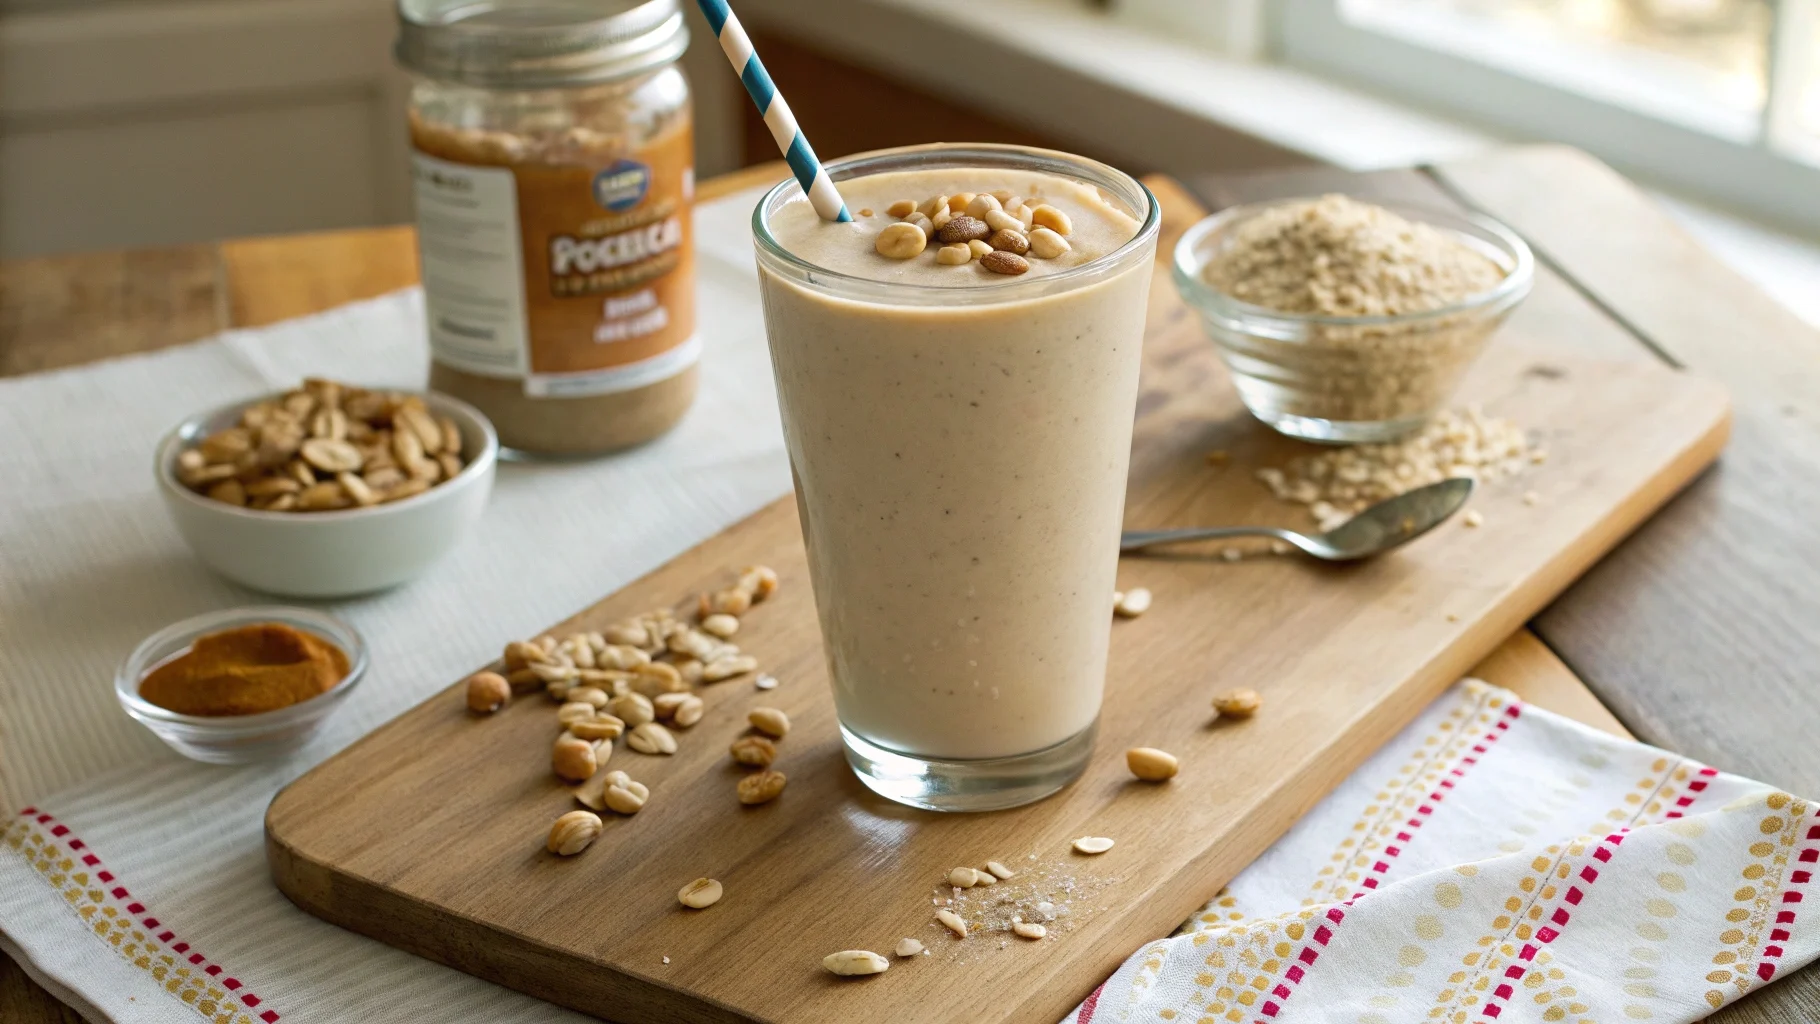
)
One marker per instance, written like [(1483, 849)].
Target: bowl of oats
[(328, 490), (1344, 321)]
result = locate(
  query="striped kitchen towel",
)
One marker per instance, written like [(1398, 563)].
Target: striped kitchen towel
[(1497, 862)]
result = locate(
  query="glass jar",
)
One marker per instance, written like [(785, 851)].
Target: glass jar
[(553, 165)]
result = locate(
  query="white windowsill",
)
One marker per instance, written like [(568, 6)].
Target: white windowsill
[(1152, 81)]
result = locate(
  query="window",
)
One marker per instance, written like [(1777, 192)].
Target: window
[(1717, 97)]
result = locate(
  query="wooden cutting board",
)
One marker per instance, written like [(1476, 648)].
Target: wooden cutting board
[(428, 834)]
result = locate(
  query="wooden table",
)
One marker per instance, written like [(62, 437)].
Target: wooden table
[(1697, 638)]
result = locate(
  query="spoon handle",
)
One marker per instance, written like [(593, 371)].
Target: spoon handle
[(1137, 540)]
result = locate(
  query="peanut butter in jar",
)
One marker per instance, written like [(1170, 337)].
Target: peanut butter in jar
[(553, 166)]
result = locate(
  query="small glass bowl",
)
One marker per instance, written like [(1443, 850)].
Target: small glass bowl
[(237, 739), (1350, 379)]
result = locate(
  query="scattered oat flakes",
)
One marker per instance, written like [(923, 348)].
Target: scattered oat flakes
[(1337, 484)]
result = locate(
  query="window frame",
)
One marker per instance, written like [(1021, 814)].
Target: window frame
[(1770, 168)]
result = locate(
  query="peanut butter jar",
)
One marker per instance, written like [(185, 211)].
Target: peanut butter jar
[(553, 165)]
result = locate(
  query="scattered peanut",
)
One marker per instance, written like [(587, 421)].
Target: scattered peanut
[(901, 241), (634, 709), (488, 692), (954, 255), (963, 878), (999, 220), (1092, 844), (601, 727), (720, 624), (700, 894), (754, 751), (983, 204), (1151, 764), (962, 229), (572, 833), (908, 947), (901, 209), (979, 249), (760, 581), (651, 738), (1046, 244), (852, 962), (688, 712), (1046, 216), (1028, 930), (761, 787), (770, 721), (1009, 240), (626, 798), (572, 758), (1008, 263), (1472, 518), (952, 921), (1132, 603), (1000, 870), (1240, 703), (721, 669)]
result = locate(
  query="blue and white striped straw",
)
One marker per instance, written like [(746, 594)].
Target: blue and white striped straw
[(790, 139)]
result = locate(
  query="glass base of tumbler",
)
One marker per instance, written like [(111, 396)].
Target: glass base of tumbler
[(984, 784)]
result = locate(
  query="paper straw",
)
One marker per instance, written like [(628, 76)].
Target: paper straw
[(790, 139)]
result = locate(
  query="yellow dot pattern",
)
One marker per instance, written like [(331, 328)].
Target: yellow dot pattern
[(84, 894), (1780, 827)]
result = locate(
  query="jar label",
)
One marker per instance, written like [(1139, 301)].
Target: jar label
[(576, 276)]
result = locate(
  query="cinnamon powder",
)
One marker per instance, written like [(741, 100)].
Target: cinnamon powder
[(246, 671)]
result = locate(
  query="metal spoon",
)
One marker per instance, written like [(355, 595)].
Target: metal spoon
[(1379, 528)]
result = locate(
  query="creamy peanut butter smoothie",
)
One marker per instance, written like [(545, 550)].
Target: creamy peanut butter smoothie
[(957, 370)]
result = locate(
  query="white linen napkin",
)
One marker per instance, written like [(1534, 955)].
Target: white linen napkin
[(134, 886), (1498, 862)]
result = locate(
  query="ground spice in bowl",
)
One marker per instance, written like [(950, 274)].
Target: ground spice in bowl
[(247, 670)]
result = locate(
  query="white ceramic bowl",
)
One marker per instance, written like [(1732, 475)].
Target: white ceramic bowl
[(331, 554)]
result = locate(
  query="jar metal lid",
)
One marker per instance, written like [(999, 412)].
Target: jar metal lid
[(529, 44)]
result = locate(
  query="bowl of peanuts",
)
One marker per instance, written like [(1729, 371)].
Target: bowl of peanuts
[(328, 490)]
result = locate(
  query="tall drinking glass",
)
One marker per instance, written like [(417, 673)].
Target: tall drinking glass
[(960, 455)]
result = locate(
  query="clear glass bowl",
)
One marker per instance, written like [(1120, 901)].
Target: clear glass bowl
[(1347, 380), (237, 739)]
